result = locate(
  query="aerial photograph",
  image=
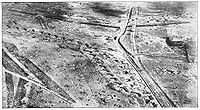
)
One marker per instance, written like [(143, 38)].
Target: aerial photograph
[(99, 54)]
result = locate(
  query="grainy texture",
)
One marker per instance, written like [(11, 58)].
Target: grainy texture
[(10, 88), (99, 54)]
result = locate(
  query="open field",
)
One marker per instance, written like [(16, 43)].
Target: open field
[(99, 54)]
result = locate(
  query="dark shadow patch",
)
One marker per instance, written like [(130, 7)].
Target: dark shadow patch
[(105, 9), (178, 8), (50, 10), (172, 8)]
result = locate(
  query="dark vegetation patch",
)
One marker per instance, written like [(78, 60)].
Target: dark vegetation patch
[(105, 9), (80, 65), (85, 68)]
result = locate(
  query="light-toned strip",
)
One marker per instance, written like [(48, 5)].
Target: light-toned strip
[(34, 82), (26, 70), (134, 32), (31, 76)]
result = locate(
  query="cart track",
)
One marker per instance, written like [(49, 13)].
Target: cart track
[(161, 97)]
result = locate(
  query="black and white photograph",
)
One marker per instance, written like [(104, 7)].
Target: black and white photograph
[(99, 54)]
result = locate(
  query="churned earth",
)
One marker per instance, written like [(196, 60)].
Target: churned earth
[(86, 63)]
